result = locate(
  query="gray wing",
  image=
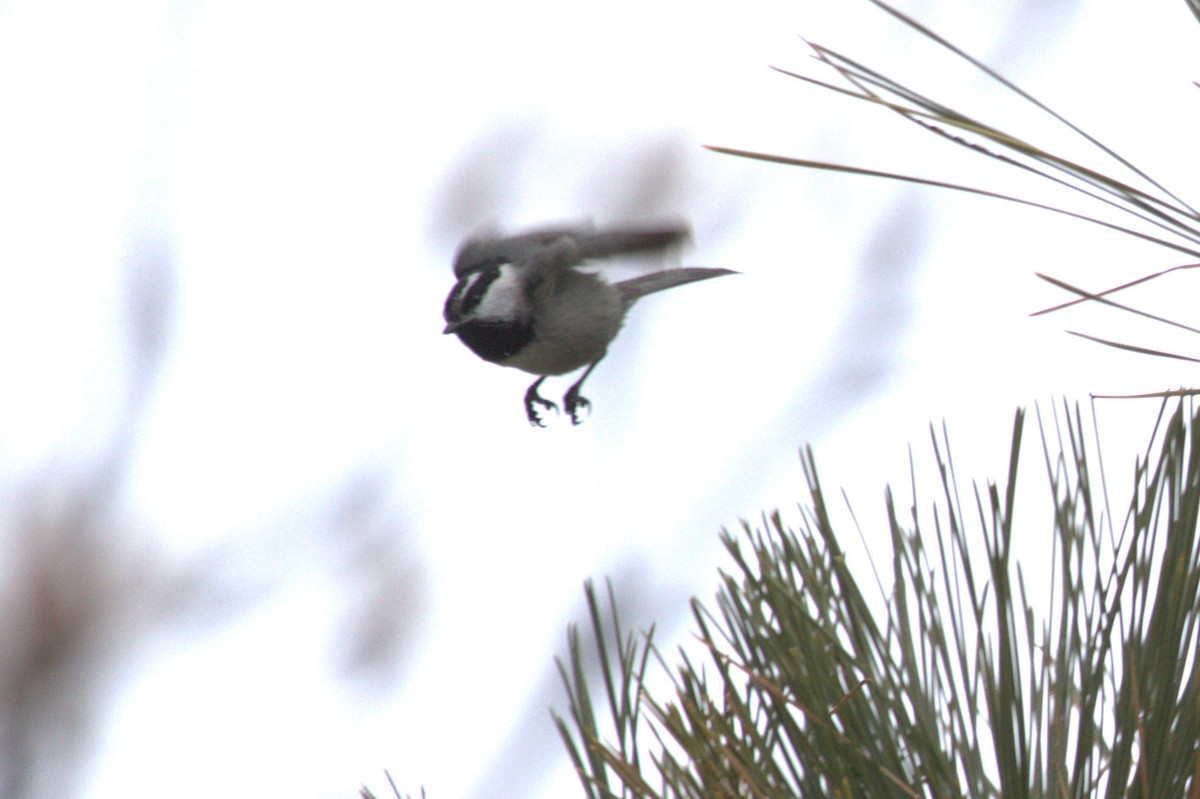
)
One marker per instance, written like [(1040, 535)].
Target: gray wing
[(631, 240), (637, 287), (566, 246)]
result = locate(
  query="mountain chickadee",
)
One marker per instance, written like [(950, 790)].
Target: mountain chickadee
[(520, 300)]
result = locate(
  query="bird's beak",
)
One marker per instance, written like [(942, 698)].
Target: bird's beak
[(451, 327)]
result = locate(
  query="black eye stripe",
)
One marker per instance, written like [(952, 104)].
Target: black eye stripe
[(478, 288), (470, 290), (451, 311)]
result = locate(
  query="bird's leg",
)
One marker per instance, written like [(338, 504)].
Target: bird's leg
[(532, 397), (573, 401)]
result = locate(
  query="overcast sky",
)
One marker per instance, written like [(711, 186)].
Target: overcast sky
[(338, 545)]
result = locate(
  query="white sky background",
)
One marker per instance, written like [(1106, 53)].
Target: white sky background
[(304, 172)]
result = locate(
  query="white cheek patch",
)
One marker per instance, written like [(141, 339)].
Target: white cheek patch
[(505, 297)]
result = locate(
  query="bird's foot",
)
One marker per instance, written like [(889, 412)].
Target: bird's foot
[(575, 404), (532, 400)]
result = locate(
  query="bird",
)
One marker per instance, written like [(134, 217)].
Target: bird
[(523, 301)]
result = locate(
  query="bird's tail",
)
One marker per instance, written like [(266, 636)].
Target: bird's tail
[(637, 287)]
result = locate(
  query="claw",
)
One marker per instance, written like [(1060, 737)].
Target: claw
[(575, 403), (573, 400), (532, 398)]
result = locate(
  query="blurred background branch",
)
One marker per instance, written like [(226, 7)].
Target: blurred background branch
[(87, 590)]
